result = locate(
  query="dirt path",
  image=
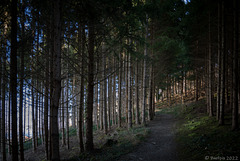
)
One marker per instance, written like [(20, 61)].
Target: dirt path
[(160, 145)]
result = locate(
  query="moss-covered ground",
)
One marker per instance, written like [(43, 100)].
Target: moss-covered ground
[(199, 137)]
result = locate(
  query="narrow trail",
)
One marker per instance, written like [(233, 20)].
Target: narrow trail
[(160, 144)]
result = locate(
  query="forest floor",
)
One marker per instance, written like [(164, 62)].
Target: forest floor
[(177, 133), (154, 142), (187, 133), (199, 137), (118, 142), (160, 144)]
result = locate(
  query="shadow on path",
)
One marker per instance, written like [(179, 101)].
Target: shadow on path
[(160, 144)]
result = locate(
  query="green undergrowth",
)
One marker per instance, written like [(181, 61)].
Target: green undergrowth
[(184, 111), (28, 144), (175, 110), (200, 138), (119, 142)]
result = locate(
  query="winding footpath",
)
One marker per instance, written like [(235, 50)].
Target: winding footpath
[(160, 145)]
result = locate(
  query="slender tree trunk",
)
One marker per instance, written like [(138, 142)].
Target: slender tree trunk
[(89, 132), (153, 93), (96, 105), (219, 62), (74, 102), (28, 119), (206, 81), (33, 98), (13, 78), (36, 114), (173, 84), (56, 81), (129, 94), (114, 97), (105, 125), (196, 86), (109, 99), (150, 94), (95, 109), (196, 73), (24, 116), (96, 99), (63, 117), (42, 115), (119, 91), (124, 87), (46, 90), (9, 124), (137, 93), (235, 124), (182, 88), (37, 87), (185, 83), (82, 31), (226, 76), (3, 85), (21, 87), (67, 113), (67, 94), (126, 80), (222, 101), (210, 69), (1, 77), (51, 42), (132, 92), (144, 79)]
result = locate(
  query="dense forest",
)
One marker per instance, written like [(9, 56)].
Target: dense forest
[(87, 67)]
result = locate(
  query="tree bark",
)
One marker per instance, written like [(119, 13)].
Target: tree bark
[(67, 89), (110, 100), (81, 107), (96, 99), (9, 125), (182, 86), (114, 98), (63, 117), (222, 101), (137, 93), (13, 79), (105, 125), (4, 81), (144, 79), (219, 62), (126, 89), (235, 124), (21, 85), (153, 93), (210, 69), (67, 113), (150, 94), (1, 95), (56, 81), (37, 87), (119, 91), (74, 102), (196, 85), (89, 124), (129, 94), (46, 90)]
